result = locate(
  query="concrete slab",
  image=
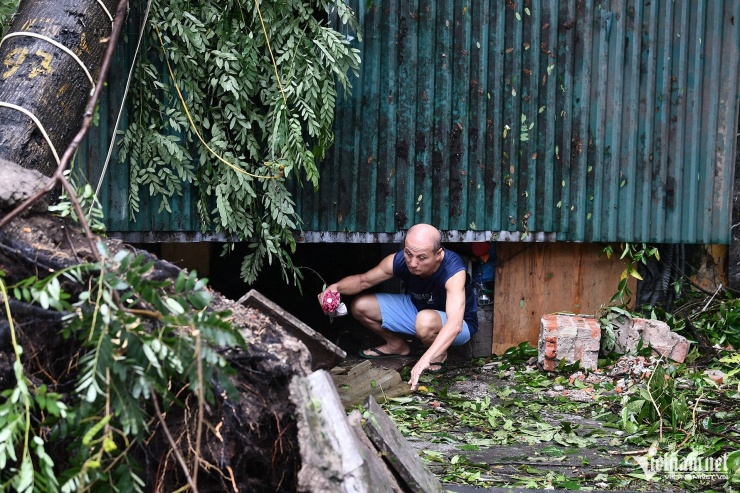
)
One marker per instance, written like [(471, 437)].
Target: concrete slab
[(398, 452)]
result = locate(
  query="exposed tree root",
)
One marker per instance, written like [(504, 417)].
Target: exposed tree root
[(248, 444)]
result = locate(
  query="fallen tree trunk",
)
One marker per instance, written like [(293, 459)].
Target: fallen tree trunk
[(248, 444), (236, 442), (51, 53)]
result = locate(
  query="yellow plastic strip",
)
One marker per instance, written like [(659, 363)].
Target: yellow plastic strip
[(267, 39)]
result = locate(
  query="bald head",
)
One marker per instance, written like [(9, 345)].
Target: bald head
[(424, 235), (422, 250)]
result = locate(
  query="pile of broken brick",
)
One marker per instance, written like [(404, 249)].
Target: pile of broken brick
[(577, 338)]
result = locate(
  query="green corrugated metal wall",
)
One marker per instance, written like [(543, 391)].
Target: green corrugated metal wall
[(572, 120), (148, 225), (583, 121)]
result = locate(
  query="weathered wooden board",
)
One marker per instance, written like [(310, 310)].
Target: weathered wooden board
[(533, 279), (398, 452), (189, 255), (333, 459), (324, 353), (357, 382), (370, 454)]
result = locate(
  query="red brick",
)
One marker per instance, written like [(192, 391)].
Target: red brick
[(571, 338)]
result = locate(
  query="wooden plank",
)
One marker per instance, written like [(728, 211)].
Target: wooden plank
[(533, 279), (191, 256), (324, 353), (370, 454), (402, 457), (333, 459), (356, 383)]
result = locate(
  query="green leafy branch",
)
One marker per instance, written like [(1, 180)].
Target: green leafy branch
[(88, 201), (140, 340), (34, 470), (252, 85), (7, 9), (632, 254)]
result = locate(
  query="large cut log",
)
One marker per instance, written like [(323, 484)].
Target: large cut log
[(49, 56)]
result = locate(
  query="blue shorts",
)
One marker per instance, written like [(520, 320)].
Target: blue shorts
[(399, 315)]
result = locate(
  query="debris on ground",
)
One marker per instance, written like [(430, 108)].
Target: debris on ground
[(356, 382), (503, 422)]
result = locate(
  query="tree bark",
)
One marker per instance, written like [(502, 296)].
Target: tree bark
[(47, 81)]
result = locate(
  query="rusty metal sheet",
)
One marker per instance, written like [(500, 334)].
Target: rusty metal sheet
[(516, 121), (589, 121)]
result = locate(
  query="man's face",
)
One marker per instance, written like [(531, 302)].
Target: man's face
[(420, 258)]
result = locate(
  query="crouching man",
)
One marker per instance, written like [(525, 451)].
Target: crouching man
[(440, 307)]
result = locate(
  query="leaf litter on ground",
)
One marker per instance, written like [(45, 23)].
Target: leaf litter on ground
[(503, 422)]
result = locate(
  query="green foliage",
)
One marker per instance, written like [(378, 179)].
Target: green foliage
[(520, 353), (88, 202), (659, 402), (265, 127), (609, 321), (140, 339), (716, 316), (733, 362), (32, 468), (632, 255), (7, 9)]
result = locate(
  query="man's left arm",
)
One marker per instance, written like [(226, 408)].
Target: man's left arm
[(455, 310)]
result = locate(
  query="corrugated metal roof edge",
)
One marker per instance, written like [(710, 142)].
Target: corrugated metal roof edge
[(457, 236)]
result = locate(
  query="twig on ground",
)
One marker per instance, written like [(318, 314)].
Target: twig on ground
[(722, 435)]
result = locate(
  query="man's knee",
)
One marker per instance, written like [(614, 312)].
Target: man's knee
[(364, 305), (428, 324)]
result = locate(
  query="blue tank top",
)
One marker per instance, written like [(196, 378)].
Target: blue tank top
[(430, 293)]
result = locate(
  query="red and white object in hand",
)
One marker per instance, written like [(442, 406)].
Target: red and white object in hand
[(332, 304)]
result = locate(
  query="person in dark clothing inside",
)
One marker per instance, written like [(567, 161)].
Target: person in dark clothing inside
[(439, 307)]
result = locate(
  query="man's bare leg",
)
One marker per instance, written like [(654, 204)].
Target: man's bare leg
[(366, 310), (428, 325)]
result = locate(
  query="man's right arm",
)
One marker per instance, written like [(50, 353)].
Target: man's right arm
[(360, 282)]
